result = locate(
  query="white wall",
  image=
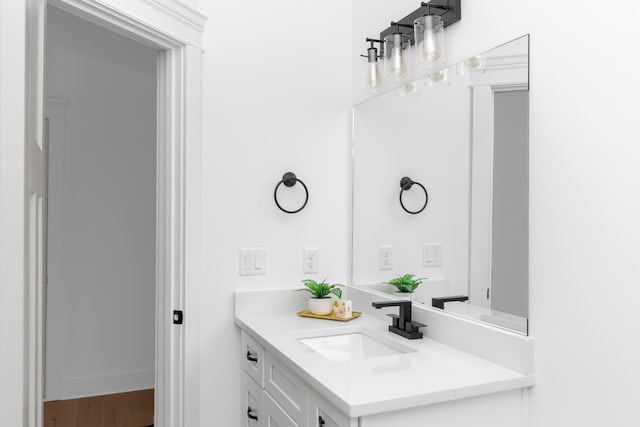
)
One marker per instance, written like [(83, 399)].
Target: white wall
[(14, 355), (276, 98), (101, 290), (584, 203)]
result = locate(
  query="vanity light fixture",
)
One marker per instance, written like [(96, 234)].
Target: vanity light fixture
[(424, 27), (373, 73), (429, 38), (394, 45), (437, 78), (473, 64)]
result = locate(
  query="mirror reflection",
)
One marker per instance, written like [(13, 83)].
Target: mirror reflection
[(457, 142)]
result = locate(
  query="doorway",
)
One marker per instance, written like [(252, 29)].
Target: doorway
[(101, 129)]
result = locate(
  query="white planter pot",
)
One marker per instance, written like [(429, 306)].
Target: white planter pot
[(321, 306), (406, 295)]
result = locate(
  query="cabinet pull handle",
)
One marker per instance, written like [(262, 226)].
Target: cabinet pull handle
[(320, 421), (250, 357), (250, 415)]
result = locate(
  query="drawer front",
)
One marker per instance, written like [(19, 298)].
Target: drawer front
[(275, 416), (252, 358), (286, 388), (253, 403), (324, 419), (324, 414)]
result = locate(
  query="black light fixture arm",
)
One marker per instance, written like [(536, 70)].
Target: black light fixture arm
[(398, 24), (429, 5), (371, 51), (451, 14)]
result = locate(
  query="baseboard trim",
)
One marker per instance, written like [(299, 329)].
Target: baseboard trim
[(100, 385)]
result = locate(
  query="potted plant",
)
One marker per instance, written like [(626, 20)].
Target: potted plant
[(320, 302), (407, 283)]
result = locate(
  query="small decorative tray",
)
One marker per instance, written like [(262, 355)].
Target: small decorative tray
[(307, 313)]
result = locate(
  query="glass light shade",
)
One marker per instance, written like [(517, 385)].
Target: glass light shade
[(396, 65), (429, 34), (474, 62), (373, 74), (437, 78), (472, 65)]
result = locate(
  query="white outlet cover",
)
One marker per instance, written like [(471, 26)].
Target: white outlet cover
[(310, 261), (385, 257)]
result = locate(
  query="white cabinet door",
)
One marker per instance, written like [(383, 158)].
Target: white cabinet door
[(253, 403), (286, 388), (274, 415)]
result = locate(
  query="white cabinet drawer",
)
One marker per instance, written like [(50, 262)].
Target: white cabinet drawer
[(324, 414), (252, 358), (274, 415), (286, 388), (253, 403)]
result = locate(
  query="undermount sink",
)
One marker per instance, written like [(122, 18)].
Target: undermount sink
[(352, 344)]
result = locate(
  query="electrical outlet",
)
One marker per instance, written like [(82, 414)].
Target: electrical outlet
[(310, 260), (385, 257), (431, 255)]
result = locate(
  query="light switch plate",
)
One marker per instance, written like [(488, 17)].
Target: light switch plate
[(431, 255), (253, 262)]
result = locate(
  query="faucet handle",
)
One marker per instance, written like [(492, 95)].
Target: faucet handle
[(413, 326), (396, 319)]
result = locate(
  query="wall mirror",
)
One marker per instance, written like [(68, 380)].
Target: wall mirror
[(462, 134)]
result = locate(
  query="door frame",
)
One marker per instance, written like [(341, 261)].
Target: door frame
[(176, 31), (504, 73)]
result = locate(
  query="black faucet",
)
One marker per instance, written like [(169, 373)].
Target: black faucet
[(402, 323), (439, 302)]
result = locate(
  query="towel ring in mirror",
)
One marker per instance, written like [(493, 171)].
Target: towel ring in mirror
[(405, 184)]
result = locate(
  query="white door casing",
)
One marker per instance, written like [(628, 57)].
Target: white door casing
[(176, 30), (502, 74), (35, 198)]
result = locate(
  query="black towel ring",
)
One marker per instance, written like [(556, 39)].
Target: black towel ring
[(289, 179), (405, 184)]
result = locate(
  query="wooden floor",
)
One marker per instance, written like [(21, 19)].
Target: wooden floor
[(134, 409)]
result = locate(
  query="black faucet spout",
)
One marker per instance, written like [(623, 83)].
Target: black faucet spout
[(439, 302), (403, 324), (390, 303)]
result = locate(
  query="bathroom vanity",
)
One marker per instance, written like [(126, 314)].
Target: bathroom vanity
[(459, 217), (313, 372)]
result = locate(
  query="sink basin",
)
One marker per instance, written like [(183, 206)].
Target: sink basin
[(353, 344)]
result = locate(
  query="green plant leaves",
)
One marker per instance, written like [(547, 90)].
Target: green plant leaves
[(406, 283), (337, 292), (321, 289)]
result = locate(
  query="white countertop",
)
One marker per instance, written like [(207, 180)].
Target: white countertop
[(433, 373)]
